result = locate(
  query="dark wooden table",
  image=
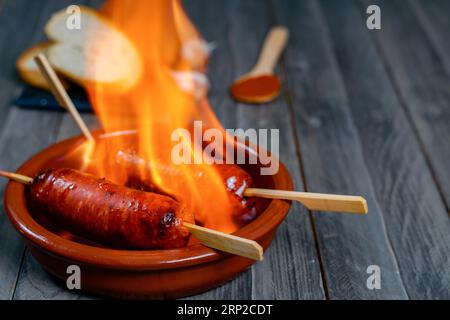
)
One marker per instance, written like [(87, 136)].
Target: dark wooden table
[(362, 111)]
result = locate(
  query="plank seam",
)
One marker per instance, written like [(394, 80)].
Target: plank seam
[(305, 186), (405, 108), (351, 113), (233, 68), (289, 103), (19, 271), (335, 63), (54, 131), (421, 17), (382, 57), (408, 114)]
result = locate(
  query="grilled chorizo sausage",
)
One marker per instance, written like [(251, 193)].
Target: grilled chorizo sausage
[(235, 179), (110, 214)]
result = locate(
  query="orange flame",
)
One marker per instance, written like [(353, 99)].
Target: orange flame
[(168, 45)]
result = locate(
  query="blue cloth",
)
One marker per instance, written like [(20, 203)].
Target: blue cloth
[(34, 98)]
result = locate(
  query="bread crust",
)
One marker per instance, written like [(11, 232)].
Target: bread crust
[(120, 84), (63, 50), (33, 76)]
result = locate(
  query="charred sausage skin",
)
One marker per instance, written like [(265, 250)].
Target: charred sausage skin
[(237, 180), (110, 214)]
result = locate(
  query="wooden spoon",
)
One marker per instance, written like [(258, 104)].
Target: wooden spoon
[(260, 85)]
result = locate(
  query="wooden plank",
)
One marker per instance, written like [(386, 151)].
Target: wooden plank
[(416, 51), (69, 128), (36, 284), (291, 268), (11, 18), (238, 288), (433, 18), (21, 25), (333, 159), (16, 145), (414, 213), (213, 23), (33, 282), (16, 142)]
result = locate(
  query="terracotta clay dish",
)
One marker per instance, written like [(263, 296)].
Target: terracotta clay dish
[(137, 274)]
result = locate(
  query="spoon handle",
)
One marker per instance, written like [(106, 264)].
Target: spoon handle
[(271, 51)]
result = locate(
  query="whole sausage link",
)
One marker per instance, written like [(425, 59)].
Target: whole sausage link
[(110, 214), (235, 179)]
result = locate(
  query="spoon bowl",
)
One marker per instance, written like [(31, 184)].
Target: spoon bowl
[(260, 85)]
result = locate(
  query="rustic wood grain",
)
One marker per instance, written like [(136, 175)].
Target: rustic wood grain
[(213, 24), (27, 132), (12, 16), (341, 113), (292, 268), (413, 211), (333, 159), (433, 18), (16, 145), (35, 283), (415, 47), (22, 131)]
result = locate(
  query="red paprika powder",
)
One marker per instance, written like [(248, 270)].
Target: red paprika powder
[(256, 89)]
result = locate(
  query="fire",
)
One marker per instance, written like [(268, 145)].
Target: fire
[(172, 54)]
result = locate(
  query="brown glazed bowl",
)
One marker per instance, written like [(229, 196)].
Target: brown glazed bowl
[(153, 274)]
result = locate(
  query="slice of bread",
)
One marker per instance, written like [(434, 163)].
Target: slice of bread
[(28, 69), (96, 54)]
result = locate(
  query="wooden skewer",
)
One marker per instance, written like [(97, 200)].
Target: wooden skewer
[(61, 94), (17, 177), (315, 201), (226, 242), (208, 237)]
